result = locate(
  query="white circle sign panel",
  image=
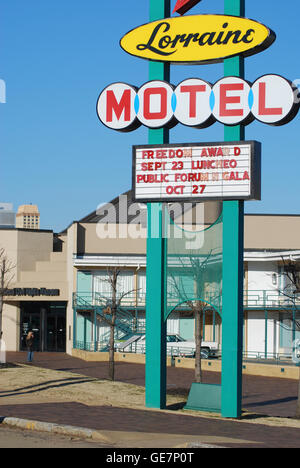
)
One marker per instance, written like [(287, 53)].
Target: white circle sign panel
[(273, 100), (231, 96), (116, 107), (192, 103), (155, 104)]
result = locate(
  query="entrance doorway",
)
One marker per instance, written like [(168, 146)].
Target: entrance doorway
[(48, 322)]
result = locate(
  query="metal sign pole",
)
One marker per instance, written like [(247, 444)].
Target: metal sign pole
[(233, 235), (156, 379), (233, 268)]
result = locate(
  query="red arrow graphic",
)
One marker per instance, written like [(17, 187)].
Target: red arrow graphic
[(182, 6)]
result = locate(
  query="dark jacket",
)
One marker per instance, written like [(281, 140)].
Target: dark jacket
[(29, 343)]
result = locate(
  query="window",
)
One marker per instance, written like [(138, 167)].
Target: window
[(141, 285), (125, 284), (174, 339)]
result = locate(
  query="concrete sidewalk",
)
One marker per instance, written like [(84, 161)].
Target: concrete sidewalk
[(127, 427), (143, 428)]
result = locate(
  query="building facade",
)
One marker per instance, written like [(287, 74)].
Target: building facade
[(7, 216), (36, 289), (28, 217), (62, 283)]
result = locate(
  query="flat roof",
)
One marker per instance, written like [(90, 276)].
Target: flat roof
[(25, 230)]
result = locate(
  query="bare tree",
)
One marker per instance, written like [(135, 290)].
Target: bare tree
[(196, 268), (291, 291), (111, 313), (6, 276)]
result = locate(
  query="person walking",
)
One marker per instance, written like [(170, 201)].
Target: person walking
[(29, 344)]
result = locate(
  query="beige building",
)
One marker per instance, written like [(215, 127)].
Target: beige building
[(28, 217), (60, 280), (36, 289)]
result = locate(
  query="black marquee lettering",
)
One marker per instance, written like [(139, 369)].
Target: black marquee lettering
[(236, 40), (149, 46), (221, 34), (191, 37), (202, 40), (211, 40), (248, 33), (180, 38), (206, 38), (165, 41)]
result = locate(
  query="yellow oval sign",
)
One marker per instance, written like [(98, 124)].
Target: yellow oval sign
[(197, 39)]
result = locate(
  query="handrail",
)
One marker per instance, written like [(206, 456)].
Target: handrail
[(262, 299), (135, 348), (97, 299), (269, 299)]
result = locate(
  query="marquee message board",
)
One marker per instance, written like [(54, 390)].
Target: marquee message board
[(197, 172)]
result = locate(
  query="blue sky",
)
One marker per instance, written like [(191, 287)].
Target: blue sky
[(56, 58)]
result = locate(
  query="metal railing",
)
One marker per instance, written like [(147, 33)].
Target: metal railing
[(129, 321), (135, 348), (90, 299), (267, 299), (91, 346), (273, 358), (256, 299)]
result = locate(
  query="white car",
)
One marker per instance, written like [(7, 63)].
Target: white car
[(176, 346)]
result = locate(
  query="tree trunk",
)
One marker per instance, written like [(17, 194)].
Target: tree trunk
[(1, 309), (298, 402), (198, 340), (111, 363)]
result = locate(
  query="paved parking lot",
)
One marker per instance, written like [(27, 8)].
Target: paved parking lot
[(268, 396), (130, 427)]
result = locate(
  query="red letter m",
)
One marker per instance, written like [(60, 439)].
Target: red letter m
[(118, 107)]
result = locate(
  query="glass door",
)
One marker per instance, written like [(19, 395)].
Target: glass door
[(61, 334), (51, 334), (31, 321), (47, 320), (56, 331)]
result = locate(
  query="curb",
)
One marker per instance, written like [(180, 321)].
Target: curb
[(71, 431), (79, 432)]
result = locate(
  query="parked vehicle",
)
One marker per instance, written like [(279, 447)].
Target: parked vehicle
[(176, 346)]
